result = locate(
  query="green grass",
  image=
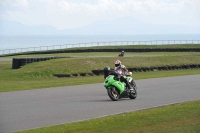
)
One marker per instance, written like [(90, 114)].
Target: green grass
[(40, 74), (28, 83), (77, 65), (108, 54), (178, 118)]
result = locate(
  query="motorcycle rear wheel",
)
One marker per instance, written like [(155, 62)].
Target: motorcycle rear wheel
[(113, 93)]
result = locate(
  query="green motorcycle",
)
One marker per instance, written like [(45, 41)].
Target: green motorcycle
[(117, 89)]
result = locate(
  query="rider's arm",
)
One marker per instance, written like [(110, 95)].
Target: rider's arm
[(125, 70)]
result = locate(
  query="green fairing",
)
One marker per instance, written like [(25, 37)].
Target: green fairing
[(128, 78), (110, 81)]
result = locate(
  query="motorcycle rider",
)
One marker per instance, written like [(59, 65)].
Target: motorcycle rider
[(124, 70), (118, 66), (121, 53)]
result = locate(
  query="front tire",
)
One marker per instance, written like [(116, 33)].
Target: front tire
[(113, 93), (133, 94)]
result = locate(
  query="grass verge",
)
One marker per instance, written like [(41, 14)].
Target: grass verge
[(177, 118), (108, 54), (40, 74), (30, 83)]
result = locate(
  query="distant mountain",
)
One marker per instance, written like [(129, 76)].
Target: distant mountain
[(128, 25), (120, 26), (15, 28)]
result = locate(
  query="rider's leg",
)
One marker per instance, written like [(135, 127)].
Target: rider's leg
[(125, 81)]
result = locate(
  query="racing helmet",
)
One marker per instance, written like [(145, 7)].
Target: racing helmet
[(106, 70), (117, 63), (130, 73)]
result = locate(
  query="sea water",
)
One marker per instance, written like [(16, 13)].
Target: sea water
[(14, 42)]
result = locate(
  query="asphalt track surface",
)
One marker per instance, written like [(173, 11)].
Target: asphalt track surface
[(52, 106)]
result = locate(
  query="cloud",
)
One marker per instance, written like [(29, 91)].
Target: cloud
[(14, 3), (69, 14), (130, 6)]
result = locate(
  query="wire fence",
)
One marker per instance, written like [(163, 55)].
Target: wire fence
[(93, 44)]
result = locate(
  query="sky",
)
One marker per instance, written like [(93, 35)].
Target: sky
[(69, 14)]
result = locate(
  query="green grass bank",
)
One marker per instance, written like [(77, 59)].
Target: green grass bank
[(40, 74), (177, 118)]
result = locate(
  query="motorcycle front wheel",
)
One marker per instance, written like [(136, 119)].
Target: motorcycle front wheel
[(113, 93), (133, 94)]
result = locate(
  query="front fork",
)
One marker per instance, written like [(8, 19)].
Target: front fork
[(131, 82)]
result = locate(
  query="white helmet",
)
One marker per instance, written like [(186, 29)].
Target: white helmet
[(117, 63)]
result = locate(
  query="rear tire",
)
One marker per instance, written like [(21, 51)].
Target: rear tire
[(113, 93)]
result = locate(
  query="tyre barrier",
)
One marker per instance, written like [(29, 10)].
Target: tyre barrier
[(82, 74), (136, 69), (101, 72), (18, 62), (62, 75), (144, 69), (90, 74), (75, 74), (96, 72), (139, 69), (130, 69)]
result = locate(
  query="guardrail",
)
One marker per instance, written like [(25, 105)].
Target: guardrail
[(92, 44)]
